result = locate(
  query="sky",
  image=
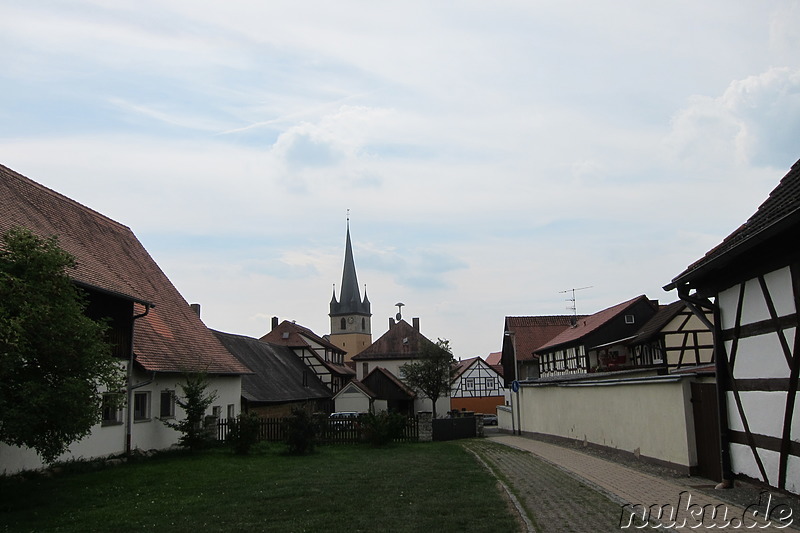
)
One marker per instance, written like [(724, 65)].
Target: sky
[(492, 155)]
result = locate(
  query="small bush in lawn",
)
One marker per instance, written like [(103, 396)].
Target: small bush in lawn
[(382, 428), (243, 433), (301, 433)]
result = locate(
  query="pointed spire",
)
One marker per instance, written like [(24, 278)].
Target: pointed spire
[(349, 296)]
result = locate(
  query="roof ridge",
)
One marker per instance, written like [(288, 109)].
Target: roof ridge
[(61, 197)]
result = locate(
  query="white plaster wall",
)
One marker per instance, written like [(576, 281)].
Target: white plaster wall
[(352, 401), (110, 440), (655, 418), (755, 308), (793, 474), (761, 356), (504, 418), (743, 462), (769, 406)]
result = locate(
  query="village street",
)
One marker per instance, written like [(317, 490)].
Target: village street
[(560, 488)]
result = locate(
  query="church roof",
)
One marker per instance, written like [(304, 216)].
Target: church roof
[(350, 301)]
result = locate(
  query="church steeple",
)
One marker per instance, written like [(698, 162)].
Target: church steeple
[(350, 301), (350, 315)]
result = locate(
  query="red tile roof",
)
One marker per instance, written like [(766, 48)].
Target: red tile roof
[(589, 324), (494, 358), (530, 332), (296, 336), (171, 338)]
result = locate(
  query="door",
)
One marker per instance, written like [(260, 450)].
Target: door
[(706, 430)]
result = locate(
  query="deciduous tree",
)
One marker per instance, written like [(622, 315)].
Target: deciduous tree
[(54, 360), (433, 372)]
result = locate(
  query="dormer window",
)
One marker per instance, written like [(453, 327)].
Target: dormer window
[(630, 319)]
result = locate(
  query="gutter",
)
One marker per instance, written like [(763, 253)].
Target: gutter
[(129, 380)]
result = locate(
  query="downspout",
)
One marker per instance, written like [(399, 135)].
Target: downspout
[(721, 369), (130, 386)]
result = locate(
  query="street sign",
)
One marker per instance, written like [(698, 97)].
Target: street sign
[(515, 386)]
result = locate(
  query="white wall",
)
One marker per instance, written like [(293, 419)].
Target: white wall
[(654, 418), (759, 357), (145, 435)]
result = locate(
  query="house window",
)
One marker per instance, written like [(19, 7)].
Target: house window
[(112, 409), (630, 319), (167, 408), (231, 411), (216, 411), (364, 369), (489, 383), (141, 406), (469, 383)]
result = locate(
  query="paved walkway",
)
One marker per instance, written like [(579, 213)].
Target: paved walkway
[(633, 492)]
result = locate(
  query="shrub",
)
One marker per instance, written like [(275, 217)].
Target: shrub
[(382, 428), (243, 432), (301, 433), (196, 399)]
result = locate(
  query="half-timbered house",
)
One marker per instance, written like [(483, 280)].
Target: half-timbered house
[(673, 339), (597, 342), (751, 283), (324, 359), (477, 387)]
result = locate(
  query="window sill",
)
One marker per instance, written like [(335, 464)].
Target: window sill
[(105, 423), (137, 420)]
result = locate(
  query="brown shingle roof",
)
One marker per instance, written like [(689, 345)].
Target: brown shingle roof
[(294, 335), (171, 338), (402, 341), (654, 326), (589, 324)]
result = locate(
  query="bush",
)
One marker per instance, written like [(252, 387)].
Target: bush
[(196, 400), (382, 428), (243, 432), (301, 434)]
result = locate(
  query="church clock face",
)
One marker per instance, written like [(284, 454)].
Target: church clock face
[(350, 320)]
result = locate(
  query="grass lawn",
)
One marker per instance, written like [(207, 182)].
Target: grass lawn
[(405, 487)]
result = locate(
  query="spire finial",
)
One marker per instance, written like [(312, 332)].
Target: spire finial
[(348, 217)]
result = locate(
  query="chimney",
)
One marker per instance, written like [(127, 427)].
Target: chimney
[(415, 323), (274, 322), (195, 308), (391, 322)]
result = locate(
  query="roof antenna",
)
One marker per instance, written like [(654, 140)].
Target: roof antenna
[(574, 306)]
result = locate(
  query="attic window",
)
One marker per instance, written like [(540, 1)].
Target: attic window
[(405, 340), (285, 335), (630, 319)]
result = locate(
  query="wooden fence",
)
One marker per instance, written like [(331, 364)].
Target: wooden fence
[(339, 431)]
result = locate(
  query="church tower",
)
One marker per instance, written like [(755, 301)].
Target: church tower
[(351, 329)]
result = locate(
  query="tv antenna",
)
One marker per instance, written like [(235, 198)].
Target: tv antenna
[(573, 307)]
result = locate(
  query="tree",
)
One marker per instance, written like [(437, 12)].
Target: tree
[(195, 402), (433, 372), (54, 359)]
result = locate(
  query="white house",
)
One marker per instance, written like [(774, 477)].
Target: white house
[(158, 337)]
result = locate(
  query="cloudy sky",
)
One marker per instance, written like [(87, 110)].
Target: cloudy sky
[(492, 154)]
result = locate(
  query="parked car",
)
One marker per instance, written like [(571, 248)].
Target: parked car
[(344, 420), (489, 420)]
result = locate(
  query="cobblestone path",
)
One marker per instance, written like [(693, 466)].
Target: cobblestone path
[(552, 499)]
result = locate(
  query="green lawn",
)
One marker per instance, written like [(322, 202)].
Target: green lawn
[(409, 487)]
